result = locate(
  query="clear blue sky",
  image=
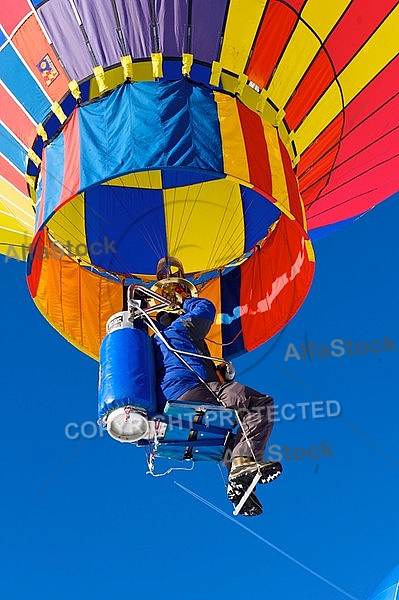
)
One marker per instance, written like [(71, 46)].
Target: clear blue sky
[(101, 528)]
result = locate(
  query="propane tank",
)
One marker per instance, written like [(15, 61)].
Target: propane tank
[(127, 390)]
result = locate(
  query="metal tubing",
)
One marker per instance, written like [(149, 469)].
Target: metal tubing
[(166, 303)]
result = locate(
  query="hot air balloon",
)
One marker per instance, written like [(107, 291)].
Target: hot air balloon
[(219, 132)]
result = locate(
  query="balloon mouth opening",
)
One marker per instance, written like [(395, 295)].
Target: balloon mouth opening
[(219, 194), (208, 221)]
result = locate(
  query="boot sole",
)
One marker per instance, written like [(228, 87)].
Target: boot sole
[(252, 507), (269, 472)]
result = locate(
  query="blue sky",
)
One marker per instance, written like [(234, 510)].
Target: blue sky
[(80, 518)]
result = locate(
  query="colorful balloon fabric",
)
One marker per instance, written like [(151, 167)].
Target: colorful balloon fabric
[(227, 134)]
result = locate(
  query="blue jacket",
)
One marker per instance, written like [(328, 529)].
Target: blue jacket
[(186, 333)]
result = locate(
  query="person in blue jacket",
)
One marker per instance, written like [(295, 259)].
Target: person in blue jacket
[(176, 381)]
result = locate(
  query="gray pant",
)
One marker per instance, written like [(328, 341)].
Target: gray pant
[(254, 409)]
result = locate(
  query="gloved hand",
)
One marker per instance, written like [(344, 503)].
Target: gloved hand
[(227, 370), (166, 318)]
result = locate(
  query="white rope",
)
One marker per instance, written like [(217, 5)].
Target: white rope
[(155, 329), (170, 471), (241, 424), (221, 474), (247, 494), (151, 459)]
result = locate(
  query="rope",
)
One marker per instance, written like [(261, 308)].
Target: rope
[(151, 459), (222, 475), (151, 470), (155, 329)]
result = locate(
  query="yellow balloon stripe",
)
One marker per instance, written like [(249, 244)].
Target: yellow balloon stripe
[(234, 151), (17, 205), (14, 244), (241, 27), (141, 71), (9, 223), (329, 106), (113, 78), (279, 184), (372, 58), (99, 74), (298, 55), (67, 227), (203, 229), (17, 221), (322, 16), (151, 180)]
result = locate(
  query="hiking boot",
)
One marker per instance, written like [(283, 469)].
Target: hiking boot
[(252, 506), (244, 469)]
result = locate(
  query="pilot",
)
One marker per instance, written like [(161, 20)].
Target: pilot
[(199, 381)]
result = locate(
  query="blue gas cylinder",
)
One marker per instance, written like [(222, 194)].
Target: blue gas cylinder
[(127, 372)]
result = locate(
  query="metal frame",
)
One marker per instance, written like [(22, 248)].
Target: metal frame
[(144, 313)]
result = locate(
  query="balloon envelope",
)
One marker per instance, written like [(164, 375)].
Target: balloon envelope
[(219, 132)]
